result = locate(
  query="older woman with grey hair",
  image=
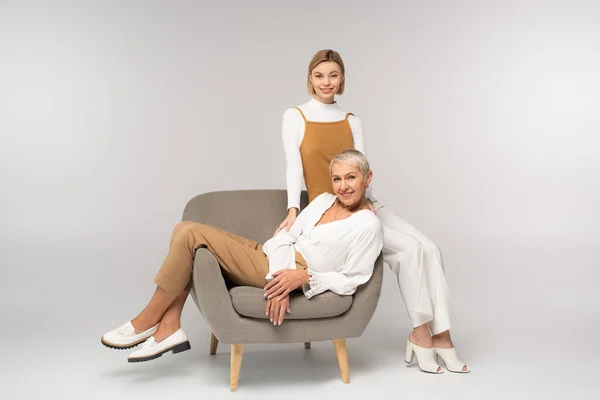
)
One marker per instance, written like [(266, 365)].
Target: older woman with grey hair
[(340, 260)]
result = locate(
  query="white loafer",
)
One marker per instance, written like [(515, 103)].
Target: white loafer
[(124, 337), (151, 350)]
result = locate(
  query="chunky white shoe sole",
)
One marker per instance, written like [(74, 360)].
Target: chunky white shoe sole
[(151, 350), (124, 337)]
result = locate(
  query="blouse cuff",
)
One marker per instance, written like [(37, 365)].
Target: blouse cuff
[(317, 283)]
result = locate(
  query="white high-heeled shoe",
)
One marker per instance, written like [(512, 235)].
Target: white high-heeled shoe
[(425, 358), (449, 357)]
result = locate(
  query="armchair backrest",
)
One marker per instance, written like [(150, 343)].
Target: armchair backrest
[(253, 214)]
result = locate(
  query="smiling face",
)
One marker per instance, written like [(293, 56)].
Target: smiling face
[(326, 79), (349, 184)]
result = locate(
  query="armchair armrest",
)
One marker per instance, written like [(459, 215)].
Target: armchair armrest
[(211, 295)]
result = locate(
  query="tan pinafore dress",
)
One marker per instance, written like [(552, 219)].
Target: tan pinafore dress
[(321, 142)]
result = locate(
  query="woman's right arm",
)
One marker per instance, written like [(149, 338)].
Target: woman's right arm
[(280, 250), (291, 129)]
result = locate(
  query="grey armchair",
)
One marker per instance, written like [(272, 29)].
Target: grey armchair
[(236, 315)]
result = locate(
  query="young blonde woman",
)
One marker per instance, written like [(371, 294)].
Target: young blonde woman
[(313, 133)]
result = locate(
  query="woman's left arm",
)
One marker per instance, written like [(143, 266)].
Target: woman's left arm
[(358, 135), (357, 269)]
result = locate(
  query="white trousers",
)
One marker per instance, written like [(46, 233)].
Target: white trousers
[(418, 264)]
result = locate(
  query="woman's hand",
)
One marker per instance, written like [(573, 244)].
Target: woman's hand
[(277, 308), (288, 222), (284, 281), (371, 206)]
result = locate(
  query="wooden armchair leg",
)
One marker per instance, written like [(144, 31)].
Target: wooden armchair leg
[(237, 351), (214, 343), (307, 345), (342, 357)]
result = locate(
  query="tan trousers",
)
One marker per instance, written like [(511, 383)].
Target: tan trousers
[(242, 260)]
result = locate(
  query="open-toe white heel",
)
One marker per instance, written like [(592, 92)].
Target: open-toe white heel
[(425, 358), (449, 357)]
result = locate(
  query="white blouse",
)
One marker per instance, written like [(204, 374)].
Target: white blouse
[(293, 128), (340, 255)]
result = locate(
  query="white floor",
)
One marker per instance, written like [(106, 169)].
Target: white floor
[(520, 341)]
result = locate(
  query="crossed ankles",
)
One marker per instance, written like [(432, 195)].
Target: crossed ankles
[(155, 341), (429, 350)]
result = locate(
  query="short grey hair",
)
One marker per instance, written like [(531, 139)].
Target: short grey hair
[(352, 157)]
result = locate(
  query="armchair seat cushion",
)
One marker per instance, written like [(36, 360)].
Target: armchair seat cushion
[(250, 302)]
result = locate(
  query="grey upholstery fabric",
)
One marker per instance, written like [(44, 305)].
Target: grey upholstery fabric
[(255, 214), (250, 302)]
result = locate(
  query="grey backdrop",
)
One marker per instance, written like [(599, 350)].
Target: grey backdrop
[(482, 128)]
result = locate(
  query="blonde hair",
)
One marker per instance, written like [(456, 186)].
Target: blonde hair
[(352, 157), (326, 56)]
